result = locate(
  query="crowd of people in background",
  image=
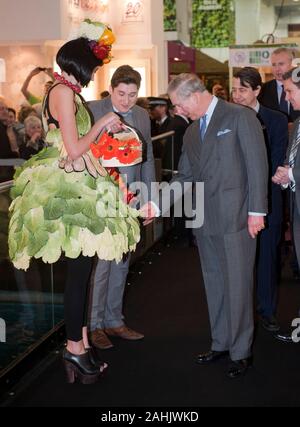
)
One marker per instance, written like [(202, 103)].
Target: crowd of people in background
[(21, 138), (21, 133)]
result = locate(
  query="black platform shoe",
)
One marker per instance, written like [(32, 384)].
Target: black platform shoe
[(94, 358), (80, 366)]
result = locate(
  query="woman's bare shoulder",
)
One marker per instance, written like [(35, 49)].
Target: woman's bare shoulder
[(62, 90)]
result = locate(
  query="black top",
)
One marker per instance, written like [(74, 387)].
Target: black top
[(46, 108), (27, 151), (5, 149)]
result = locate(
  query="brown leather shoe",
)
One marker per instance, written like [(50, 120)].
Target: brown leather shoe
[(100, 340), (124, 332)]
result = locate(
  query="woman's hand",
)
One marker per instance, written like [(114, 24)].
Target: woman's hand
[(34, 72), (111, 122), (36, 136)]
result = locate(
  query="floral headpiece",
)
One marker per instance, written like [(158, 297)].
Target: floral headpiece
[(101, 38)]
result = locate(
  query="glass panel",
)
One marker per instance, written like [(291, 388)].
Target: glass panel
[(59, 274), (28, 307)]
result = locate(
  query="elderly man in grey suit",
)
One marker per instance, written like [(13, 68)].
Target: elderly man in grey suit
[(106, 318), (224, 148)]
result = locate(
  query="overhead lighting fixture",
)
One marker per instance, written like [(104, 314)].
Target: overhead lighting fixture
[(176, 59)]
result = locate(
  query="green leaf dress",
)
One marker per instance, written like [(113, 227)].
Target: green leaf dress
[(54, 212)]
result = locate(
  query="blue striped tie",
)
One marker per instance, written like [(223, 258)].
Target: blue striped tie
[(293, 154), (203, 126)]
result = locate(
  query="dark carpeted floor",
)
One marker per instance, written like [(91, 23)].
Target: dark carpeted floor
[(166, 301)]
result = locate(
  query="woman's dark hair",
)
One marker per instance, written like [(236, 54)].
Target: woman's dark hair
[(76, 58)]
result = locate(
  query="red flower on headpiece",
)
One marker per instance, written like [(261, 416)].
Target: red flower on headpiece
[(101, 51)]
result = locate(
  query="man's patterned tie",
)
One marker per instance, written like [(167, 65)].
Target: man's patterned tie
[(293, 154), (203, 126)]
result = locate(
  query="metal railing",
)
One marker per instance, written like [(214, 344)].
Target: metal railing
[(11, 162), (6, 185), (165, 138)]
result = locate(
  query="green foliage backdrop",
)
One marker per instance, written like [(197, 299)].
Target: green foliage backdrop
[(170, 21), (213, 28)]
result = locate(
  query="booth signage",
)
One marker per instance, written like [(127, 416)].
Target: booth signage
[(253, 56), (133, 11), (78, 8), (210, 5)]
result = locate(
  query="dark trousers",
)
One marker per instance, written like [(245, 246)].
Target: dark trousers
[(267, 269), (296, 228), (76, 296), (294, 258)]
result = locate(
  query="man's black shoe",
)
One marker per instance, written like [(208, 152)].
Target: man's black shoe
[(296, 274), (237, 368), (211, 356), (284, 337), (270, 323)]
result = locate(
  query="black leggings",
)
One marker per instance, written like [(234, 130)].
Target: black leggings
[(76, 296)]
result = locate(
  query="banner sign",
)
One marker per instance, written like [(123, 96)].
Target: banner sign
[(254, 55), (79, 9), (210, 5)]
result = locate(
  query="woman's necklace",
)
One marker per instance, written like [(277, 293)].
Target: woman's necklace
[(75, 87)]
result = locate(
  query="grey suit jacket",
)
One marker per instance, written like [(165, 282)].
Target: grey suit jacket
[(142, 172), (231, 161)]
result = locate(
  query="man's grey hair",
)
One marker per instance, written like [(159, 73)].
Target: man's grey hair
[(185, 84), (288, 51)]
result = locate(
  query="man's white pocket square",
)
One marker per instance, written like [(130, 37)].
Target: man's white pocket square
[(223, 132)]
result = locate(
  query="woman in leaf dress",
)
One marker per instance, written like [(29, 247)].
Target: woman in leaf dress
[(64, 202)]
